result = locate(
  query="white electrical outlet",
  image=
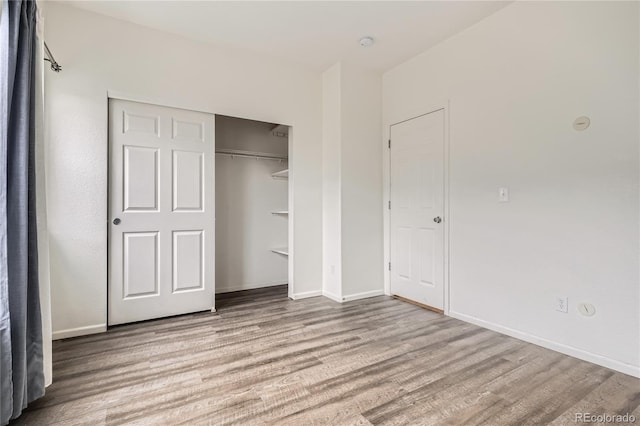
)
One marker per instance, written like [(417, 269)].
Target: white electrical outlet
[(562, 304)]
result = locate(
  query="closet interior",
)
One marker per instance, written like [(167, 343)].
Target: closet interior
[(252, 192)]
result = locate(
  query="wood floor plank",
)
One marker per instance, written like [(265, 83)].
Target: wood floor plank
[(618, 394), (263, 359)]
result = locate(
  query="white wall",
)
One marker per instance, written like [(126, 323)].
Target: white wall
[(331, 187), (361, 178), (352, 220), (515, 82), (101, 55), (246, 196), (246, 229)]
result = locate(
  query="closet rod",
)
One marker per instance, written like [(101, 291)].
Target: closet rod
[(250, 154)]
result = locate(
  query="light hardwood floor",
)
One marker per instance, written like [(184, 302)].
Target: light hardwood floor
[(264, 359)]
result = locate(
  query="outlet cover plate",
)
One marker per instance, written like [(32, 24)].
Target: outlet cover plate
[(562, 304)]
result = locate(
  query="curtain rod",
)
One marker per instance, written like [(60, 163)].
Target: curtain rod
[(55, 66), (250, 154)]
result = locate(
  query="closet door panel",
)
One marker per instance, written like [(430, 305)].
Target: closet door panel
[(162, 211), (188, 181), (188, 260)]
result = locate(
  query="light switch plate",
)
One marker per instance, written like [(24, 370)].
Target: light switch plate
[(503, 195)]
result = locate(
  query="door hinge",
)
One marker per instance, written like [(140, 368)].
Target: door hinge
[(389, 143), (389, 204), (389, 265)]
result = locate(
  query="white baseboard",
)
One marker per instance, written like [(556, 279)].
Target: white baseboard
[(80, 331), (306, 295), (240, 287), (622, 367), (354, 296), (363, 295), (332, 296)]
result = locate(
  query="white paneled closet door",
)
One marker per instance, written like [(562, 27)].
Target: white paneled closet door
[(161, 211)]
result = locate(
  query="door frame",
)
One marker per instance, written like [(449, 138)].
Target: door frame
[(163, 102), (386, 191)]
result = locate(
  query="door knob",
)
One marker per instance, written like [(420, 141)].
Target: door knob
[(116, 221), (437, 219)]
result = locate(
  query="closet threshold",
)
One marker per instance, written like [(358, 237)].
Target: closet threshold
[(283, 251)]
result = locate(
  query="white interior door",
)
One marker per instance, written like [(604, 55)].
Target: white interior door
[(161, 211), (417, 209)]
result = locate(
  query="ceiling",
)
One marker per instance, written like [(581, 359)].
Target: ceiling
[(312, 34)]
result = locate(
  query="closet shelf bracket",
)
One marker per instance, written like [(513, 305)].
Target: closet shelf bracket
[(283, 251), (283, 174)]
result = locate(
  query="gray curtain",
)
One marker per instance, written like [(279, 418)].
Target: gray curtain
[(21, 366)]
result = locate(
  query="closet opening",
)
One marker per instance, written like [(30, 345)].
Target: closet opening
[(252, 204)]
